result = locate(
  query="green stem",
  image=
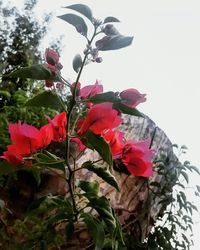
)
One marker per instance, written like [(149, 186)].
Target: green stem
[(69, 114)]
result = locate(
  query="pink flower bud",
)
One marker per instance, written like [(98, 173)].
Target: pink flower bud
[(51, 56)]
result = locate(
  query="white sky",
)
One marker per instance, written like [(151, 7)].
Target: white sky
[(163, 61)]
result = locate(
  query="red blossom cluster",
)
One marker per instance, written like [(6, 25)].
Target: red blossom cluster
[(102, 119), (27, 139)]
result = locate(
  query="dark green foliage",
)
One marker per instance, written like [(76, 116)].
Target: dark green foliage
[(20, 36)]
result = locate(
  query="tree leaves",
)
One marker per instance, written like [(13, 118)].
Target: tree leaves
[(102, 173), (77, 21), (83, 9), (46, 99), (37, 72)]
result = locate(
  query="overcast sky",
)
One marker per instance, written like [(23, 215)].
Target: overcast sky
[(163, 61)]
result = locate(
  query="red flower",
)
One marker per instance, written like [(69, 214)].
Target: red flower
[(13, 156), (99, 118), (115, 141), (26, 138), (132, 97), (58, 125), (46, 133), (137, 157), (90, 90)]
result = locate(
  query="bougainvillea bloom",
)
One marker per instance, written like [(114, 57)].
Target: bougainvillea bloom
[(132, 97), (115, 140), (99, 118), (51, 57), (90, 90), (137, 157), (13, 156), (26, 138), (58, 125)]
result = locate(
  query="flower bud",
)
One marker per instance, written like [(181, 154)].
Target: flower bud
[(98, 60), (51, 56)]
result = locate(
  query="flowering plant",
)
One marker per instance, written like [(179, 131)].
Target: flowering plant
[(87, 119)]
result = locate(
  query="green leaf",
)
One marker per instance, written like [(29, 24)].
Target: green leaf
[(110, 30), (114, 42), (183, 196), (195, 169), (100, 145), (110, 19), (46, 99), (112, 97), (38, 72), (50, 160), (126, 110), (77, 62), (104, 97), (102, 206), (103, 173), (91, 187), (185, 175), (77, 22), (95, 228), (83, 9)]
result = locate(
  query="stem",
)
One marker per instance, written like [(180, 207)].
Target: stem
[(69, 114)]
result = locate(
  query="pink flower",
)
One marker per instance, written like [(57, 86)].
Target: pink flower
[(58, 125), (132, 97), (51, 57), (90, 90), (99, 118), (137, 157), (115, 140)]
